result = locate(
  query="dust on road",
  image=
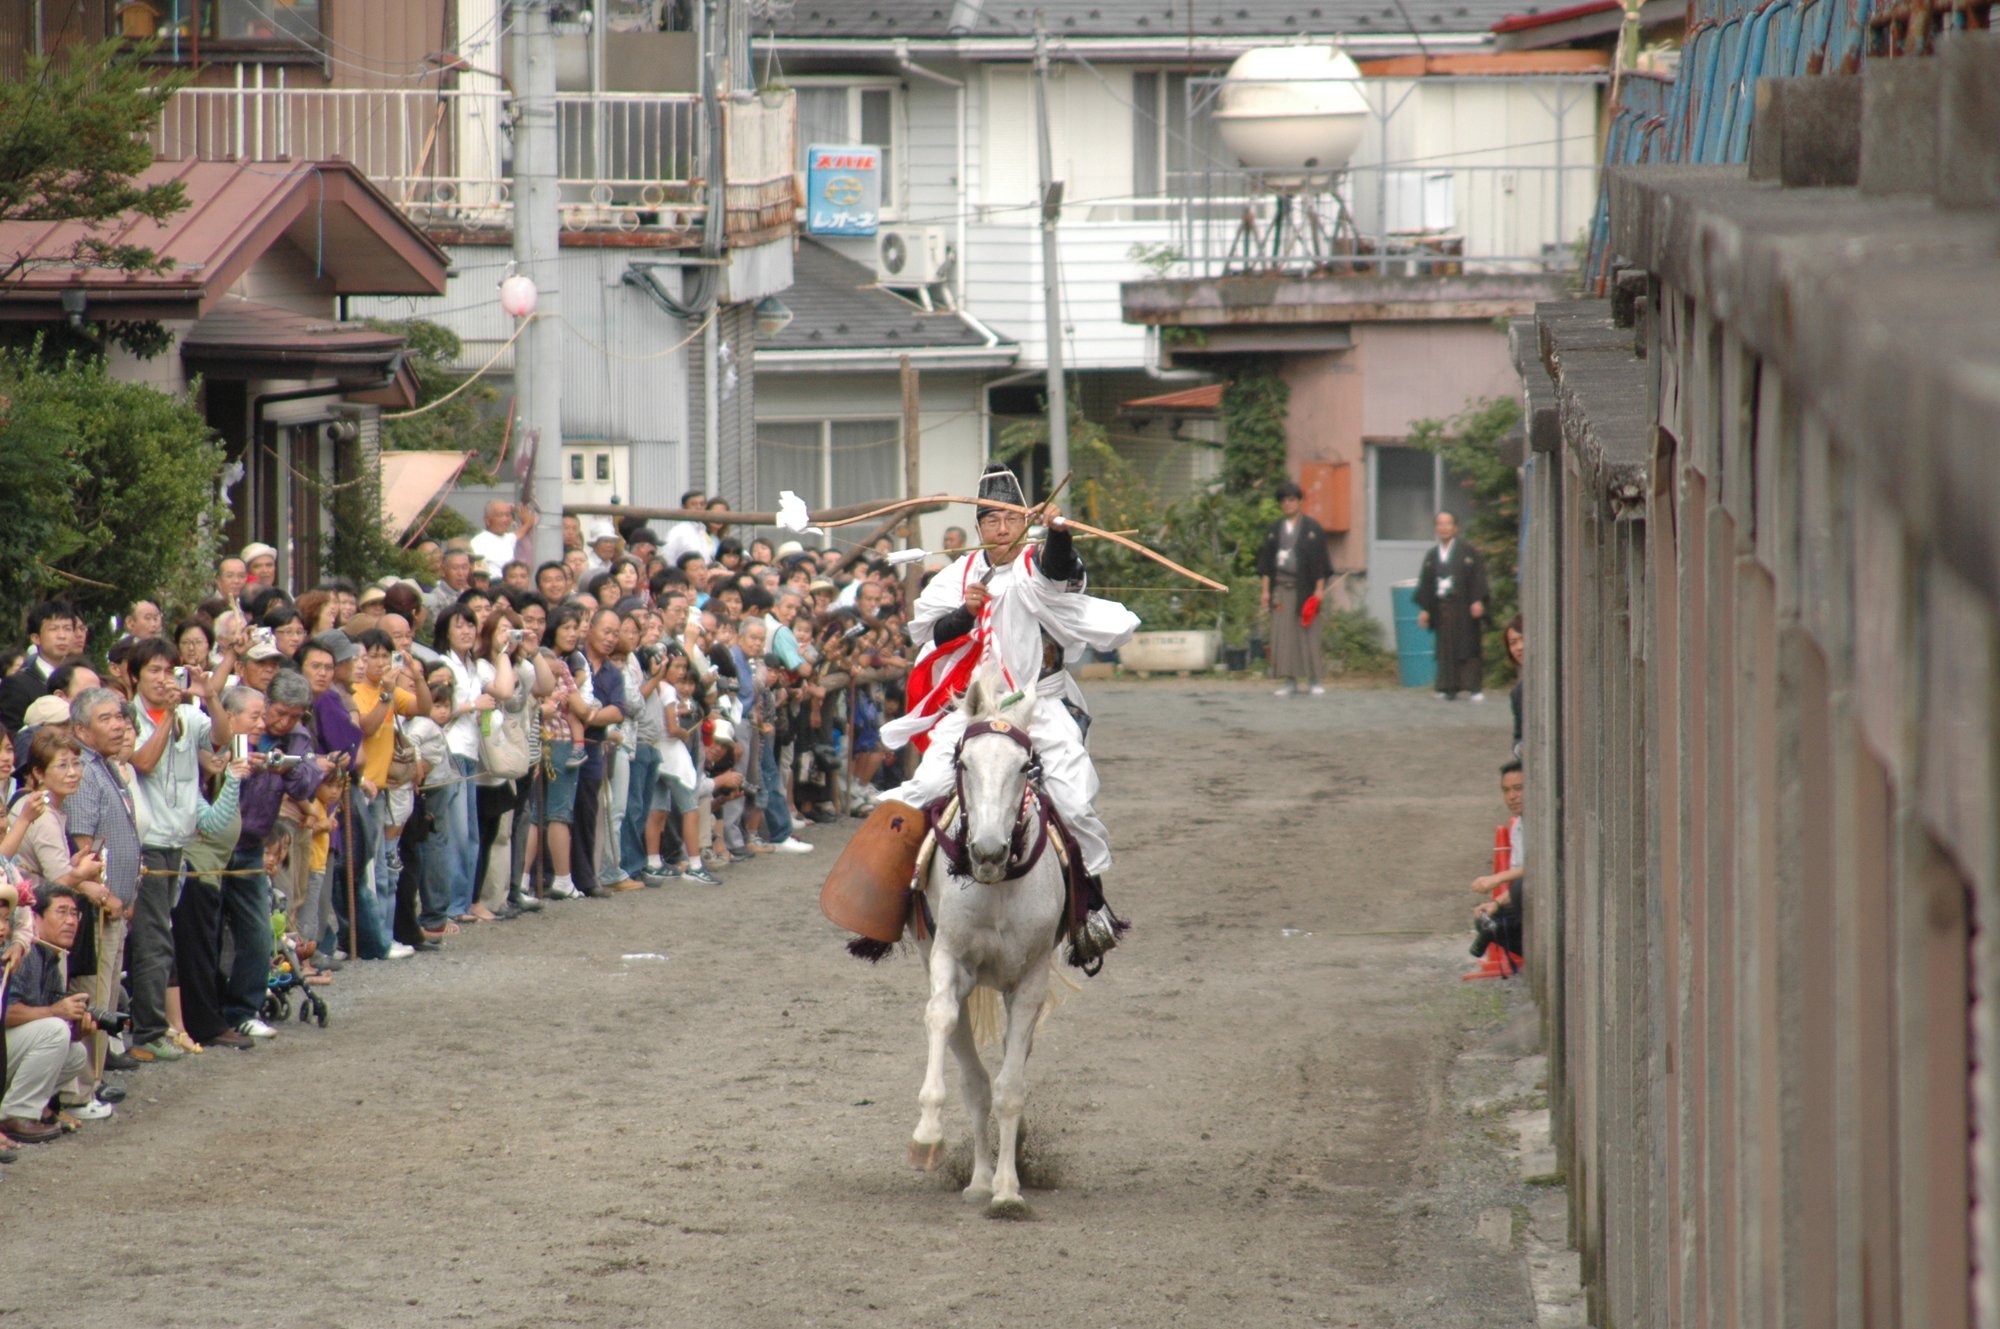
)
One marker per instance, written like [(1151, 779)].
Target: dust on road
[(1247, 1120)]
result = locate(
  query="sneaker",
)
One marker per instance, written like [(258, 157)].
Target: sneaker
[(792, 844), (1442, 697), (256, 1028), (109, 1093), (527, 904), (115, 1060), (398, 951), (659, 876), (1479, 696), (1285, 691), (740, 855), (230, 1038), (563, 890), (91, 1111), (703, 876), (160, 1049), (1318, 689), (629, 884)]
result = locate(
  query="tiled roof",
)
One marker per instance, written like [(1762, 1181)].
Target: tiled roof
[(836, 305), (236, 210), (1278, 19)]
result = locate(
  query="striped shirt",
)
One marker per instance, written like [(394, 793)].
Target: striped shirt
[(101, 808)]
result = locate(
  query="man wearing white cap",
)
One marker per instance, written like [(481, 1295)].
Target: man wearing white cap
[(260, 563)]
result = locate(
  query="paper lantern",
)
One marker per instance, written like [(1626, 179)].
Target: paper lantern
[(517, 296)]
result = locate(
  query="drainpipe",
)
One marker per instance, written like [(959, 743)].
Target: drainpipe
[(904, 62), (1156, 363)]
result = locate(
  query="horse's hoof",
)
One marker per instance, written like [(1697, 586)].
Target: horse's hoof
[(977, 1194), (926, 1157), (1014, 1210)]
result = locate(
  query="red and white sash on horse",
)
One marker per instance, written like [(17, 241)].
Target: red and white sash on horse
[(940, 676)]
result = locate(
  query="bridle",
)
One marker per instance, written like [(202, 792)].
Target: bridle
[(948, 820)]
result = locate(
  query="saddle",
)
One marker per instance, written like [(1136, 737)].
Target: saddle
[(875, 886)]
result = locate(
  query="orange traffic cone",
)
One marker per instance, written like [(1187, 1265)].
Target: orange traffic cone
[(1498, 962)]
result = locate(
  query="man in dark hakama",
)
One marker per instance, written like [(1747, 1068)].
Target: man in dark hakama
[(1293, 567), (1451, 593)]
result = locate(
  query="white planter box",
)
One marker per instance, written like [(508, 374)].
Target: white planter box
[(1170, 652)]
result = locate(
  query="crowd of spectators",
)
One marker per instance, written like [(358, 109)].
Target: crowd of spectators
[(363, 773)]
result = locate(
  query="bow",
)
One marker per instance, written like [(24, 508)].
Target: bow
[(905, 504)]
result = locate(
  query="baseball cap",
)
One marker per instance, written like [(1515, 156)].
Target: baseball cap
[(46, 710), (263, 645), (339, 645)]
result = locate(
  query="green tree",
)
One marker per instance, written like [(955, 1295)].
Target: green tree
[(465, 422), (1470, 445), (112, 491), (73, 139), (1254, 406)]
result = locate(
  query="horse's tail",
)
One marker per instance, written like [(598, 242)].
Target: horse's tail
[(987, 1015)]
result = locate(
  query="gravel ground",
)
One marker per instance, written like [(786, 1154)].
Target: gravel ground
[(688, 1107)]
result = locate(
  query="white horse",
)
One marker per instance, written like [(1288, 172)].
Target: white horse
[(993, 930)]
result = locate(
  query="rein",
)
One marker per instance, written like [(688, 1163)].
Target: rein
[(1031, 824)]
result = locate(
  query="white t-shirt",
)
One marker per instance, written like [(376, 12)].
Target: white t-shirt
[(676, 763), (687, 537), (170, 799), (461, 736), (496, 550)]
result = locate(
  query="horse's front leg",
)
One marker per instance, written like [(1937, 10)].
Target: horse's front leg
[(1010, 1088), (977, 1090), (950, 981)]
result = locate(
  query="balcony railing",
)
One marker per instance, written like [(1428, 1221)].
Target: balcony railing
[(1402, 221), (627, 161)]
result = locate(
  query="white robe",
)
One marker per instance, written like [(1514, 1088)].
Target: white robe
[(1022, 604)]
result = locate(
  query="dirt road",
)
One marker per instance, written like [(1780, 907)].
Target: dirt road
[(1247, 1120)]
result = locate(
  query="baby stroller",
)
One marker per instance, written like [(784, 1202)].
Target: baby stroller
[(287, 977)]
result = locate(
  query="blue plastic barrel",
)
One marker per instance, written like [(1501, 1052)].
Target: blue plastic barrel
[(1416, 646)]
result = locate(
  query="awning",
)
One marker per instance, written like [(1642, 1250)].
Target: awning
[(1204, 400), (412, 481), (244, 339)]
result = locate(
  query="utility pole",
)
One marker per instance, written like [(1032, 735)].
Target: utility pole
[(537, 256), (1052, 195)]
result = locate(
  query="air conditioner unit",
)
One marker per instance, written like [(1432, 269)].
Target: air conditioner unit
[(911, 255)]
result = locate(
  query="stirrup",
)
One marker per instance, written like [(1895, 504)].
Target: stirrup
[(1090, 943)]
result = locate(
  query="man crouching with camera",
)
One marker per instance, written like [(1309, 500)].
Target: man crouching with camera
[(46, 1030)]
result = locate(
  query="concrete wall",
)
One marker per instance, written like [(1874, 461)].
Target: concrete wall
[(1763, 602)]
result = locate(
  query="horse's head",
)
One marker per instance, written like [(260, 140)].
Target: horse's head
[(995, 759)]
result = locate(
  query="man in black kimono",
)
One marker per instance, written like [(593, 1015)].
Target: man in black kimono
[(1451, 593)]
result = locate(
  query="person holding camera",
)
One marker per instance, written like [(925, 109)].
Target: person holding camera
[(1498, 918), (45, 1025)]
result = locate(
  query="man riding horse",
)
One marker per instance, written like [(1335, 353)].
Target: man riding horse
[(1024, 606)]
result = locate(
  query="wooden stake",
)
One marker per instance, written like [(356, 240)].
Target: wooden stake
[(912, 436)]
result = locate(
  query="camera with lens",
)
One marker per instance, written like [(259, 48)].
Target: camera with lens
[(111, 1022)]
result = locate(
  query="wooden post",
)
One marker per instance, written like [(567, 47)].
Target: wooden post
[(912, 442)]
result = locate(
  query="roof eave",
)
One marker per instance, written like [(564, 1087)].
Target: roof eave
[(857, 359)]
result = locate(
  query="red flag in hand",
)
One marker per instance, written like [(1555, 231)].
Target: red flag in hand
[(1309, 611)]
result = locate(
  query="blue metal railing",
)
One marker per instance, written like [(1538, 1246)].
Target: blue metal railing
[(1704, 113)]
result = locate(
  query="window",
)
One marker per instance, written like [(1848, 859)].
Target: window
[(1411, 487), (828, 463), (855, 113), (219, 28), (1176, 150)]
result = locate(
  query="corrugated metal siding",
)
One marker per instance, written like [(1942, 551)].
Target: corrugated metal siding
[(736, 419), (624, 374), (1004, 287)]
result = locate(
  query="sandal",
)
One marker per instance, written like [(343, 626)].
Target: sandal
[(179, 1038), (481, 914), (318, 978), (451, 929)]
